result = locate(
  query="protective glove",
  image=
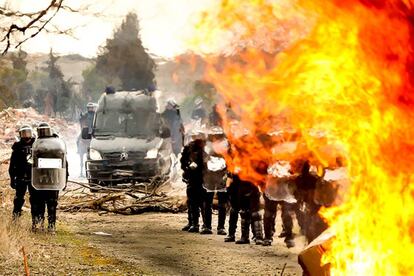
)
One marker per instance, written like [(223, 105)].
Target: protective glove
[(13, 183)]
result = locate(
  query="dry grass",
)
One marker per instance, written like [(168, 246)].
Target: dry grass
[(13, 235)]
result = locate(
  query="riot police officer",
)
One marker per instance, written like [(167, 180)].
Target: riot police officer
[(20, 169), (244, 199), (214, 179), (172, 118), (50, 175), (280, 186), (199, 113), (192, 166)]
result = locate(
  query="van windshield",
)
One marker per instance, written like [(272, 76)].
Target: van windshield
[(121, 124)]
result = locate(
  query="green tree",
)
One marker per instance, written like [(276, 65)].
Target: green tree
[(125, 57), (10, 81), (59, 90), (24, 89), (93, 84), (19, 62)]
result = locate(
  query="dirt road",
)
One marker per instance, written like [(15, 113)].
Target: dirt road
[(148, 244), (154, 244)]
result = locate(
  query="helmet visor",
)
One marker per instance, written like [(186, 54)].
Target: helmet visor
[(44, 132), (25, 133), (216, 137)]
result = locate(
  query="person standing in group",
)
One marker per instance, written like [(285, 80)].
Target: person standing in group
[(173, 119), (199, 112), (50, 175), (245, 199), (192, 166), (214, 118), (280, 186), (214, 179), (20, 169)]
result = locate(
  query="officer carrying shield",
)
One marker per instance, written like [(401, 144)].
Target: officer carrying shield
[(214, 179), (49, 176), (20, 169)]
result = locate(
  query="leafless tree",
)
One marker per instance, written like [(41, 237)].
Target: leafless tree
[(17, 27)]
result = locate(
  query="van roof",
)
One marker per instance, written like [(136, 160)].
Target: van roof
[(127, 101)]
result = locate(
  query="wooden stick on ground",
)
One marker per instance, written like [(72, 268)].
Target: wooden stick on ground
[(26, 265), (283, 269)]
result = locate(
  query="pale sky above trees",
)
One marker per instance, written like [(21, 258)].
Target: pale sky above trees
[(166, 25)]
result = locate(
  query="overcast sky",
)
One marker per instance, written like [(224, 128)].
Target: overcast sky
[(166, 25)]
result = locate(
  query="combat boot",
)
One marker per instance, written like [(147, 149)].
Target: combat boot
[(205, 230), (186, 228), (268, 229), (16, 216), (245, 227), (38, 225), (234, 216), (51, 228), (289, 240), (267, 242), (229, 238), (194, 229), (257, 228), (221, 231)]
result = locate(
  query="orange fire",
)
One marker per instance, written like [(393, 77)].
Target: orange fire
[(342, 68)]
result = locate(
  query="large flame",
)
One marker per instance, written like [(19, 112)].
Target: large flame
[(343, 68)]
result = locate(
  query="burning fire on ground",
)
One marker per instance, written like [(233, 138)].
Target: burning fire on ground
[(337, 72)]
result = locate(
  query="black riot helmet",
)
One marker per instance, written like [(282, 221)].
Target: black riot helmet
[(44, 130), (25, 132)]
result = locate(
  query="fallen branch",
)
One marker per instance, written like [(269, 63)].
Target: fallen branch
[(109, 189), (126, 203)]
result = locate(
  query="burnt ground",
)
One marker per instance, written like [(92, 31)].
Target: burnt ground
[(147, 244)]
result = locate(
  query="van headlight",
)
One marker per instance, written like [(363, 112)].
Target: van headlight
[(94, 154), (152, 154)]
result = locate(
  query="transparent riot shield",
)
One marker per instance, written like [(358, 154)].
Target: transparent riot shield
[(49, 164)]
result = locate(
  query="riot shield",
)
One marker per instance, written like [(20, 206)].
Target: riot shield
[(331, 186), (214, 175), (280, 183), (49, 164)]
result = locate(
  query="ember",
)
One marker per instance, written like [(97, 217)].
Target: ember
[(348, 75)]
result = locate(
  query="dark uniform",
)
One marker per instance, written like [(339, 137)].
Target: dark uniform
[(214, 117), (208, 207), (287, 210), (39, 200), (42, 199), (192, 166), (309, 219), (244, 198), (20, 172)]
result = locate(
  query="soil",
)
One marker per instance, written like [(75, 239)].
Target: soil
[(147, 244)]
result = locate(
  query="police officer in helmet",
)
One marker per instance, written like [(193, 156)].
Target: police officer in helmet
[(42, 198), (20, 169)]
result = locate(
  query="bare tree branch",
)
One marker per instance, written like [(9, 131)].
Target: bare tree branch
[(42, 26), (17, 27), (38, 20)]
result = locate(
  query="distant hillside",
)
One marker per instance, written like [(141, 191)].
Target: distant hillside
[(71, 65)]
